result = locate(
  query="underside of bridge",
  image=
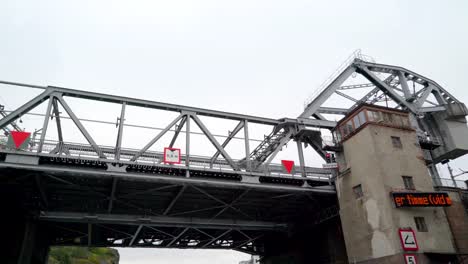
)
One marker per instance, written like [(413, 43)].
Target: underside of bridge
[(83, 210)]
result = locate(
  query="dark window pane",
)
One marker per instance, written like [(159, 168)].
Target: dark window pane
[(396, 141), (358, 191), (356, 121), (362, 117), (420, 224), (408, 181)]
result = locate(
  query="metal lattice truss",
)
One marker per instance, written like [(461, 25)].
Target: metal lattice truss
[(78, 209), (255, 169), (390, 85), (395, 87), (78, 229)]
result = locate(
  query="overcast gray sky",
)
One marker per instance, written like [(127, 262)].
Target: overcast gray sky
[(254, 57)]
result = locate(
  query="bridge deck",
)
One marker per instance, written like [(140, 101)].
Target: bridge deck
[(85, 209), (77, 158), (85, 200)]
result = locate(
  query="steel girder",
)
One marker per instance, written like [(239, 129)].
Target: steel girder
[(140, 103), (159, 215), (57, 95), (159, 221), (412, 101), (395, 86), (116, 234), (293, 184)]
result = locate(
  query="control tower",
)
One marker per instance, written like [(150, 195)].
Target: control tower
[(388, 206)]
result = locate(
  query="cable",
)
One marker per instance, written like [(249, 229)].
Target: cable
[(132, 125)]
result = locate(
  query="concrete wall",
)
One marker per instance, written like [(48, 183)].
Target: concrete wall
[(458, 219), (371, 223)]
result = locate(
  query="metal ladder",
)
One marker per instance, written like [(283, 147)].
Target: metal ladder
[(268, 145)]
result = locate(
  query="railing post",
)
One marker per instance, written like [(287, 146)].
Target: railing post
[(187, 145), (45, 124), (120, 132), (247, 145), (301, 158)]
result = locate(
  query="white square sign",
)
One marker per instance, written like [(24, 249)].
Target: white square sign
[(172, 155), (410, 259), (408, 240)]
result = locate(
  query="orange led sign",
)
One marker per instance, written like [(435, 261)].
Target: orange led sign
[(415, 199)]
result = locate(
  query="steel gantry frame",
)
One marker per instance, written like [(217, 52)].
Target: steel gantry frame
[(393, 87)]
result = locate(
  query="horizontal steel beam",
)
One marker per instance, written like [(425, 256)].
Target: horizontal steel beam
[(169, 178), (356, 86), (166, 221), (174, 107), (198, 162), (165, 106), (333, 110), (432, 109)]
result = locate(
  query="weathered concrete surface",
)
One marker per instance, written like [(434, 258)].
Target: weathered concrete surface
[(458, 219), (421, 259), (371, 223)]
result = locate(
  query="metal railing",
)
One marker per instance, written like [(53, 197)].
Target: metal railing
[(52, 148), (429, 139), (355, 55), (443, 182)]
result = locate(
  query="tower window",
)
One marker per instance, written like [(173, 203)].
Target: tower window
[(396, 141), (420, 224), (408, 181), (357, 190)]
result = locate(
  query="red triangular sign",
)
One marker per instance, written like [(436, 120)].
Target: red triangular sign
[(288, 165), (19, 137)]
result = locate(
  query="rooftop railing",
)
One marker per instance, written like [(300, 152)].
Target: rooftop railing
[(443, 182)]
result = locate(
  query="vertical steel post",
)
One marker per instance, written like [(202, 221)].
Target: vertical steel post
[(187, 145), (90, 234), (57, 120), (451, 175), (119, 135), (45, 125), (435, 175), (247, 145), (301, 158), (177, 131)]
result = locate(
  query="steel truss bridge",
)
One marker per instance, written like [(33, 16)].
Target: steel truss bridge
[(94, 195)]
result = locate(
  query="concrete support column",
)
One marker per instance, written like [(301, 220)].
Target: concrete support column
[(34, 248), (23, 240)]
